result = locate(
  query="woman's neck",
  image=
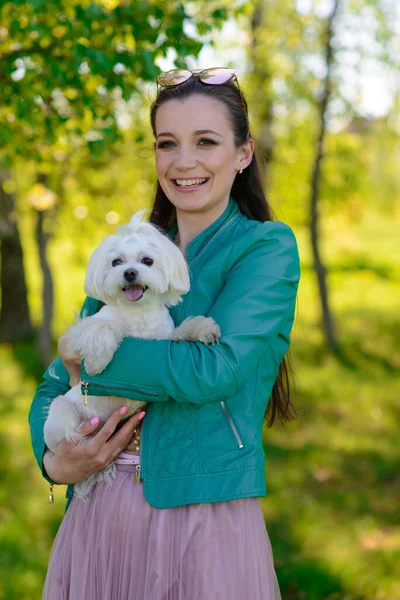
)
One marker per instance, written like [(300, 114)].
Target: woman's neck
[(190, 224)]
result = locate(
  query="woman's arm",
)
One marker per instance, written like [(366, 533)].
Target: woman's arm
[(56, 383), (255, 312)]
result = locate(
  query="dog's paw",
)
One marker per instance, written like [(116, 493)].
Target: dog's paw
[(209, 332), (96, 340), (97, 361), (198, 329)]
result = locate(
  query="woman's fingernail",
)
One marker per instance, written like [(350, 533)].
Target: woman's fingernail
[(94, 421), (123, 410), (142, 414)]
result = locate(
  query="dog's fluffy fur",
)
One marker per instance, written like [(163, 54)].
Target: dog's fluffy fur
[(137, 273)]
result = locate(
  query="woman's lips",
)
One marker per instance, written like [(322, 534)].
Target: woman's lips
[(190, 188)]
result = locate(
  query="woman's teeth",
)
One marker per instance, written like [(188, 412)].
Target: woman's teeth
[(189, 182)]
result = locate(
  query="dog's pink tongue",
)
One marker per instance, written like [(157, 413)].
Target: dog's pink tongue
[(134, 293)]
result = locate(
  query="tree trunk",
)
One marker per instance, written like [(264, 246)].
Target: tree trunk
[(261, 75), (45, 338), (15, 323), (328, 323)]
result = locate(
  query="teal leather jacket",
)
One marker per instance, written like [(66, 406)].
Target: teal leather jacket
[(202, 435)]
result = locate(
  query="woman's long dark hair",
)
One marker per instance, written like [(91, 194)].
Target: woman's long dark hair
[(247, 191)]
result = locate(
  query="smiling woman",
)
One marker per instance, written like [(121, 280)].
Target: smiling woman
[(189, 524)]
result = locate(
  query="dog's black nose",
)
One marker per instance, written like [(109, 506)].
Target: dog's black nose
[(130, 275)]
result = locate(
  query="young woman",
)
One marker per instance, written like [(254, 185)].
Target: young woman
[(186, 523)]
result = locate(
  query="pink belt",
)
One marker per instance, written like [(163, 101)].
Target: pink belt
[(127, 458)]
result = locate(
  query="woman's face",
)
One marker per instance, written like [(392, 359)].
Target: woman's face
[(196, 158)]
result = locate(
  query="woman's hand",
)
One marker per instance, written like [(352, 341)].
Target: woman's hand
[(72, 462)]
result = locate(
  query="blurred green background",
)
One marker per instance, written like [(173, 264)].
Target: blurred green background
[(76, 159)]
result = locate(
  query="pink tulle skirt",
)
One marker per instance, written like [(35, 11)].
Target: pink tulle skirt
[(118, 547)]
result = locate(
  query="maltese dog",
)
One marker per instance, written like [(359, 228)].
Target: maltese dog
[(137, 273)]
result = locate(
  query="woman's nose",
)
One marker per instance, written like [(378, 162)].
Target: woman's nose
[(185, 160)]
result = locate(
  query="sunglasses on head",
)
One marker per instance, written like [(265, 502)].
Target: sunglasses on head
[(213, 76)]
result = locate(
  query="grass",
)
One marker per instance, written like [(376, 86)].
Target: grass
[(332, 509)]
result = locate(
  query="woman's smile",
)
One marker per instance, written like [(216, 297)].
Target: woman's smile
[(190, 185)]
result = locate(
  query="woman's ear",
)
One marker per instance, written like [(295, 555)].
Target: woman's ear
[(245, 154)]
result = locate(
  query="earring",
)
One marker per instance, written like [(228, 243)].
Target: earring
[(241, 171)]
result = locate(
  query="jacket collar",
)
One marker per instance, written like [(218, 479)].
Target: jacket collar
[(198, 244)]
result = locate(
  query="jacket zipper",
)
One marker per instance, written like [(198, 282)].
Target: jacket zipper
[(231, 423), (113, 387)]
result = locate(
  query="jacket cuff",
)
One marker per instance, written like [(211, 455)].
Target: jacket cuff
[(39, 449)]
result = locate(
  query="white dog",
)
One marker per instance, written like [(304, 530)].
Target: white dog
[(137, 273)]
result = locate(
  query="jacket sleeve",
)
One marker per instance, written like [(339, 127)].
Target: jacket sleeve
[(56, 383), (255, 312)]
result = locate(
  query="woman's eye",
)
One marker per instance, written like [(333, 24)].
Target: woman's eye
[(116, 262), (165, 144), (208, 142), (147, 261)]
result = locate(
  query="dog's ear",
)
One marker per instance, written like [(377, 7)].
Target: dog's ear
[(95, 272), (179, 280)]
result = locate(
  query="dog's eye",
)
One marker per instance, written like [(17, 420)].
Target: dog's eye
[(147, 261), (116, 262)]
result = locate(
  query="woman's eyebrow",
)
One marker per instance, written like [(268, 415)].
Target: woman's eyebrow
[(198, 132), (201, 131)]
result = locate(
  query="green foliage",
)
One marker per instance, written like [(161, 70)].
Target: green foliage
[(359, 169), (64, 66)]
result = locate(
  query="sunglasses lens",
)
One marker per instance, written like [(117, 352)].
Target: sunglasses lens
[(173, 77), (216, 76)]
